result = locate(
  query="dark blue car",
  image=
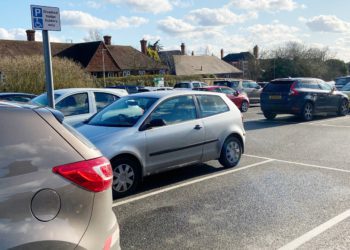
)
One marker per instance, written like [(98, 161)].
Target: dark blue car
[(304, 97)]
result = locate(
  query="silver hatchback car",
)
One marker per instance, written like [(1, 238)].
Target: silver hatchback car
[(151, 132)]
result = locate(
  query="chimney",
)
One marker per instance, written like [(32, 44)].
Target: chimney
[(256, 51), (192, 53), (30, 35), (222, 53), (183, 49), (107, 40), (143, 46)]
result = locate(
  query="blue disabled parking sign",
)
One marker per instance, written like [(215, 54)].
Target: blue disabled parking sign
[(45, 18)]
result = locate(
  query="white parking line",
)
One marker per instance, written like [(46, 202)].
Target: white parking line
[(118, 203), (299, 163), (330, 119), (316, 231), (328, 125)]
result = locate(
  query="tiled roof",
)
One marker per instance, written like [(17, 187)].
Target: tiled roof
[(130, 58), (202, 65)]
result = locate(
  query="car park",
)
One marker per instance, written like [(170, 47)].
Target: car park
[(16, 97), (152, 132), (241, 100), (251, 88), (55, 186), (79, 104), (304, 97), (189, 85)]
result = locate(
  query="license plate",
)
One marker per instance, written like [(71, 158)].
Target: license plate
[(275, 97)]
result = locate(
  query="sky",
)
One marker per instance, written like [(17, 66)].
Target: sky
[(205, 26)]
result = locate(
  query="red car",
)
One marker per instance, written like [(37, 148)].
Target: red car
[(240, 99)]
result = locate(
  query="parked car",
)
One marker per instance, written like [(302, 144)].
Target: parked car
[(262, 84), (55, 187), (79, 104), (340, 82), (148, 133), (190, 85), (241, 100), (304, 97), (131, 89), (252, 89), (16, 97), (346, 89)]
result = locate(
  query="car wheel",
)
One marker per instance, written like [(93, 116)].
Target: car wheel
[(126, 177), (231, 152), (269, 115), (307, 113), (343, 108), (244, 106)]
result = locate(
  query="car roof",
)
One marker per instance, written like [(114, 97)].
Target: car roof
[(170, 93), (296, 79)]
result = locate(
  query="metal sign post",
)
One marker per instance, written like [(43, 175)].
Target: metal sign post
[(45, 19)]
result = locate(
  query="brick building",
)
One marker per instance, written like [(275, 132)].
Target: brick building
[(95, 57)]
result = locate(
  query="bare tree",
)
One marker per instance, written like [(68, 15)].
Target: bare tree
[(94, 35)]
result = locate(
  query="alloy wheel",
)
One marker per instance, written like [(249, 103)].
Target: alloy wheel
[(233, 152), (124, 178), (308, 109)]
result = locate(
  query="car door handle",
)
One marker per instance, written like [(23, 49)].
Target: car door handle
[(197, 127)]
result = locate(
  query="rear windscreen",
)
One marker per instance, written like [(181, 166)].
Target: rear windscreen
[(278, 86)]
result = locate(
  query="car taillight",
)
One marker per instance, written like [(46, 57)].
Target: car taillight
[(293, 91), (108, 243), (95, 175)]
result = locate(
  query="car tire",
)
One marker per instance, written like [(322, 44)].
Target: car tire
[(343, 108), (307, 113), (231, 152), (244, 106), (269, 115), (126, 177)]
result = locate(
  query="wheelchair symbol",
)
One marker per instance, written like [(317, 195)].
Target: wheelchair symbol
[(38, 23)]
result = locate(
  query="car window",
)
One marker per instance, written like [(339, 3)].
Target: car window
[(175, 110), (16, 98), (42, 99), (342, 81), (227, 91), (233, 84), (124, 112), (196, 84), (221, 83), (182, 85), (76, 104), (253, 85), (246, 84), (104, 99), (308, 84), (211, 105), (325, 86)]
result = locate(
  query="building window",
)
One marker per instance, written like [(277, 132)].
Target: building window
[(142, 72), (94, 74), (110, 74), (126, 73)]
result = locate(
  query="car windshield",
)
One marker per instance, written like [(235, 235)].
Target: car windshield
[(42, 99), (125, 112)]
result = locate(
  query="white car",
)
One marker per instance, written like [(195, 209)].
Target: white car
[(79, 104)]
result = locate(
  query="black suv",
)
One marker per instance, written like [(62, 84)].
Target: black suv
[(303, 97)]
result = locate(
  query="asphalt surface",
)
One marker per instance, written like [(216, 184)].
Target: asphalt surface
[(291, 189)]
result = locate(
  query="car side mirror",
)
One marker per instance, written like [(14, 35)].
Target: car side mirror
[(153, 124), (258, 87), (236, 93)]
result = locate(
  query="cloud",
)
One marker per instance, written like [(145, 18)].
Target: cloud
[(215, 17), (93, 4), (173, 25), (272, 34), (13, 34), (151, 6), (85, 20), (325, 23), (266, 5), (182, 3)]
